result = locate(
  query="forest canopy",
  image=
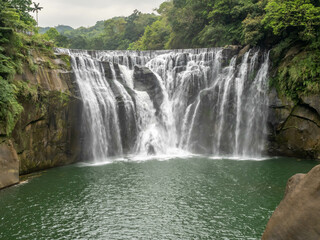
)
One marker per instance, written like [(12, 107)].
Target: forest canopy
[(202, 23)]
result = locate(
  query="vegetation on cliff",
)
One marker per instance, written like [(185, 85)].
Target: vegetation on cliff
[(18, 38), (296, 25)]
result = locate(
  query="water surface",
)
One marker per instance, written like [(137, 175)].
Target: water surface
[(193, 198)]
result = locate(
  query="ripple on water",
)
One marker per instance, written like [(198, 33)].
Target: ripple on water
[(193, 198)]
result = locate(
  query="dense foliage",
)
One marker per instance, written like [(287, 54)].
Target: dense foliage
[(17, 38), (296, 26), (204, 23), (115, 33)]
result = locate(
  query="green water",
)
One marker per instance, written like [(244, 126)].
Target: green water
[(194, 198)]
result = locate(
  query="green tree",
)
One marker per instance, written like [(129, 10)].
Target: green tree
[(79, 42), (51, 34), (253, 28), (187, 18), (299, 16), (225, 23), (136, 24), (58, 39), (155, 37)]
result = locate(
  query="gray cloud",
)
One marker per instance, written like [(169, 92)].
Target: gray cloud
[(76, 13)]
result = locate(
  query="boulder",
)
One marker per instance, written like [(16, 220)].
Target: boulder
[(298, 215), (243, 51), (9, 165)]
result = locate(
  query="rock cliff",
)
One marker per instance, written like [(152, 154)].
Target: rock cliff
[(48, 131), (294, 127)]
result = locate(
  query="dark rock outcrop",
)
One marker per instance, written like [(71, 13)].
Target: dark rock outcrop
[(297, 216), (146, 80), (201, 138), (48, 134), (312, 101), (126, 114), (294, 128)]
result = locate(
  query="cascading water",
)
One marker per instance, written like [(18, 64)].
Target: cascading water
[(207, 101)]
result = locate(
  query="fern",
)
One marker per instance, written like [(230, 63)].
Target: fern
[(10, 108)]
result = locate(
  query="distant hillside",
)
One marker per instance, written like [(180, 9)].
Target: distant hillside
[(114, 33), (60, 28), (93, 31), (43, 30)]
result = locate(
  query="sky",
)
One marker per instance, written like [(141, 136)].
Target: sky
[(77, 13)]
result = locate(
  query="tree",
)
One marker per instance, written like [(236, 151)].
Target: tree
[(300, 16), (36, 9), (23, 7), (136, 24), (254, 31), (155, 37), (51, 34)]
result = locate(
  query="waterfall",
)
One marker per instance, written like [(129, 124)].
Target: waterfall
[(208, 101)]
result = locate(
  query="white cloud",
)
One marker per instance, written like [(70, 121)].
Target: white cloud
[(76, 13)]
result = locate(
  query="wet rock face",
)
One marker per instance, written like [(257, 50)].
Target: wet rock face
[(127, 118), (297, 216), (312, 101), (48, 132), (48, 135), (294, 129), (146, 80), (201, 136), (9, 165)]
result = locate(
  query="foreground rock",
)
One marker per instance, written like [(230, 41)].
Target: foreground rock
[(9, 165), (298, 214)]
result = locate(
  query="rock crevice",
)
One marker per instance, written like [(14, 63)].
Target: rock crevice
[(294, 128)]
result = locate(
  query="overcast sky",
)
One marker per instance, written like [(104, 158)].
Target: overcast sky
[(76, 13)]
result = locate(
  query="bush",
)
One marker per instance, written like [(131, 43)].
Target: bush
[(10, 108), (299, 75)]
